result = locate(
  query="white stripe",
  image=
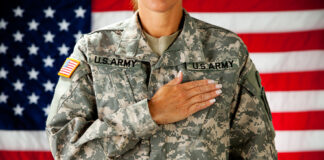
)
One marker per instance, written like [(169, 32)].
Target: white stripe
[(66, 69), (286, 141), (240, 22), (69, 67), (248, 22), (101, 19), (65, 72), (294, 141), (289, 61), (290, 101), (72, 63), (23, 140)]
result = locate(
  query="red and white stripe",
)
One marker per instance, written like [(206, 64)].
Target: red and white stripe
[(67, 70), (286, 42)]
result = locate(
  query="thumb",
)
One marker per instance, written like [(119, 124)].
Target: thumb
[(176, 80)]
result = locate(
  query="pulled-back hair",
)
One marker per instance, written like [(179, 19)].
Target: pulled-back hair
[(134, 4)]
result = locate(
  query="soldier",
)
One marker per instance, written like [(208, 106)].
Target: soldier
[(160, 85)]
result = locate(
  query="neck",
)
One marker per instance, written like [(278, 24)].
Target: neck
[(159, 24)]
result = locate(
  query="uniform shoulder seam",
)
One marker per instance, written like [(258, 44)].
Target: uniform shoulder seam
[(206, 25)]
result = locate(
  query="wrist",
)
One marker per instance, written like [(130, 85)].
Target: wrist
[(154, 115)]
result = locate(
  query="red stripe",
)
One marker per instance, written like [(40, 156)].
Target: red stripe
[(220, 6), (66, 70), (310, 120), (72, 63), (19, 155), (293, 81), (69, 67), (250, 5), (24, 155), (287, 41), (66, 73), (314, 155)]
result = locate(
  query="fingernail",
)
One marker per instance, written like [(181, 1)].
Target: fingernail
[(218, 86), (211, 81), (212, 100), (218, 91), (178, 75)]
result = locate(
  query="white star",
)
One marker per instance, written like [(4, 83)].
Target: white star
[(79, 12), (48, 86), (3, 98), (3, 73), (33, 98), (33, 25), (64, 25), (18, 61), (18, 36), (3, 48), (18, 12), (47, 110), (49, 37), (48, 61), (77, 36), (3, 24), (33, 49), (18, 86), (63, 49), (18, 110), (33, 74), (49, 12)]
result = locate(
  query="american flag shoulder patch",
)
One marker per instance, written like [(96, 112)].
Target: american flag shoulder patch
[(68, 67)]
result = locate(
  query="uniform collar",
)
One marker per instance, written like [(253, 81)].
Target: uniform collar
[(187, 47)]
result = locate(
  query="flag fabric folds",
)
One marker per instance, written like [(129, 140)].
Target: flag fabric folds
[(35, 39), (284, 38)]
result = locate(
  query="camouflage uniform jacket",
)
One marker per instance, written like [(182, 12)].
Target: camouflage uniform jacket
[(101, 112)]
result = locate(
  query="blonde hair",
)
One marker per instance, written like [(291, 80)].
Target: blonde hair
[(134, 4)]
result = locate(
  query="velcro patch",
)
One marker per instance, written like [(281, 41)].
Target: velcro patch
[(68, 67), (114, 61), (217, 65)]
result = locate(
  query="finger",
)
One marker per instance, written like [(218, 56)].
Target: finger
[(193, 84), (202, 89), (204, 97), (176, 80), (200, 106)]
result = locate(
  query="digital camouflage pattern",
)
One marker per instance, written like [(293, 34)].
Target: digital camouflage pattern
[(101, 112)]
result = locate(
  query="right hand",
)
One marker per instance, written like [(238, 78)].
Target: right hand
[(175, 101)]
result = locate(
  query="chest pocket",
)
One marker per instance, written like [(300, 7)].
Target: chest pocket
[(128, 85), (215, 116), (121, 87), (193, 125)]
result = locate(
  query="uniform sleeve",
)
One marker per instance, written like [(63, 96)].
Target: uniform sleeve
[(252, 133), (74, 129)]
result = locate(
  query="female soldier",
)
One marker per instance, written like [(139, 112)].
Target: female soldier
[(160, 85)]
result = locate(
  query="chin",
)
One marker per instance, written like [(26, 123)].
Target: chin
[(160, 5)]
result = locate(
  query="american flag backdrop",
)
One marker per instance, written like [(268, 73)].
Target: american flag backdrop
[(285, 39)]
